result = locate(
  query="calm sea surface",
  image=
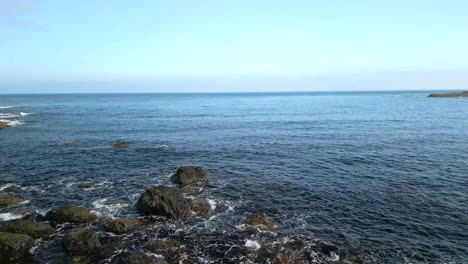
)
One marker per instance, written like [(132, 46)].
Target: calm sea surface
[(383, 175)]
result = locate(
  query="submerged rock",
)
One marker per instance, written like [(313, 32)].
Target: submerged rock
[(164, 201), (122, 144), (189, 175), (8, 200), (33, 229), (71, 214), (4, 125), (86, 184), (135, 257), (13, 189), (260, 221), (14, 247), (81, 241), (462, 94), (121, 226), (201, 207)]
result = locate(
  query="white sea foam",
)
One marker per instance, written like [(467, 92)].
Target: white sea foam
[(333, 256), (212, 204), (12, 122), (25, 114), (8, 115), (252, 244), (109, 209), (6, 107), (10, 216)]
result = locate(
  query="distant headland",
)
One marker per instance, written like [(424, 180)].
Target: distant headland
[(461, 94)]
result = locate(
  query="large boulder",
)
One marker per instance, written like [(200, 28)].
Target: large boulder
[(164, 201), (189, 175), (71, 214), (122, 226), (14, 247), (8, 200), (81, 241), (135, 257), (4, 125), (33, 229), (260, 221)]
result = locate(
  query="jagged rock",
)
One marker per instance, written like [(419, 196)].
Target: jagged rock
[(189, 175), (260, 221), (8, 200), (164, 201), (135, 257), (289, 256), (71, 214), (462, 94), (12, 189), (122, 144), (14, 247), (121, 226), (201, 207), (30, 228), (4, 125), (81, 241)]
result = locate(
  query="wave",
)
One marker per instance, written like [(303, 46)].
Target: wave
[(12, 122), (6, 107)]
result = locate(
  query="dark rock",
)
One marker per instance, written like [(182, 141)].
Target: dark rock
[(86, 185), (260, 221), (71, 214), (7, 200), (327, 248), (263, 254), (166, 247), (122, 144), (81, 241), (122, 226), (30, 228), (12, 189), (164, 201), (4, 125), (201, 207), (462, 94), (14, 247), (190, 174), (135, 257), (189, 189), (288, 256)]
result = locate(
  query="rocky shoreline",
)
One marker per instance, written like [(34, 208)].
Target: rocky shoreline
[(79, 235), (461, 94)]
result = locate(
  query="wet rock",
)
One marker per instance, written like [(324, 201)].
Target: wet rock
[(263, 254), (30, 228), (135, 257), (122, 226), (289, 256), (13, 189), (462, 94), (260, 221), (189, 175), (71, 214), (122, 144), (86, 184), (201, 207), (189, 189), (329, 249), (14, 247), (166, 247), (72, 141), (8, 200), (4, 125), (81, 241), (164, 201)]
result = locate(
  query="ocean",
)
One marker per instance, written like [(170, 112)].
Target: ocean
[(383, 176)]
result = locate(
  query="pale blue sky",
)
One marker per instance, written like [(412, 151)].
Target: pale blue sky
[(238, 45)]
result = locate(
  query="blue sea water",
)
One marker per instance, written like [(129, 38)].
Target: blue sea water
[(384, 175)]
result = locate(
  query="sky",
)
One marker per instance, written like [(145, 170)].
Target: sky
[(232, 45)]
